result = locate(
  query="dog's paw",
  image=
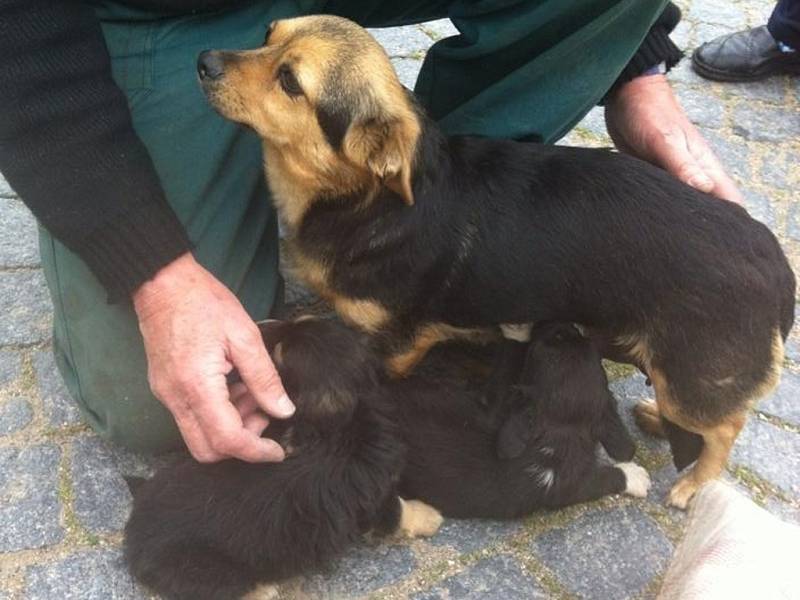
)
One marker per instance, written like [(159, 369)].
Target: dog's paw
[(648, 418), (637, 479), (418, 519), (682, 492)]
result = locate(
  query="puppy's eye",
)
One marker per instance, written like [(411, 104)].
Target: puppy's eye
[(289, 82)]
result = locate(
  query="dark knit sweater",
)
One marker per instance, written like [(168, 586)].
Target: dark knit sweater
[(68, 148)]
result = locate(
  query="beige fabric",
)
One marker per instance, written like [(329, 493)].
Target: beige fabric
[(733, 549)]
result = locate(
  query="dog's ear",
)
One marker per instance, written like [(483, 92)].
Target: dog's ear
[(385, 147)]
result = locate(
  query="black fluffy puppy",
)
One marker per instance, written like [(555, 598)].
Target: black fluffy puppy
[(557, 415), (218, 531)]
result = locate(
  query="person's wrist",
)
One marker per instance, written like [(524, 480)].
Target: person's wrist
[(154, 293)]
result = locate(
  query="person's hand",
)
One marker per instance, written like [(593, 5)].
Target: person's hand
[(645, 120), (195, 332)]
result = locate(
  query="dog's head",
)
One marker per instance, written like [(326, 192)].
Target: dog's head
[(323, 96), (325, 367)]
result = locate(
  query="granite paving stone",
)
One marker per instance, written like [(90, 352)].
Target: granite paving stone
[(771, 453), (29, 504), (402, 41), (86, 575), (775, 171), (102, 499), (732, 151), (629, 392), (719, 12), (59, 407), (25, 309), (468, 535), (610, 554), (759, 206), (765, 124), (5, 188), (699, 110), (784, 401), (19, 246), (363, 569), (10, 366), (499, 577), (784, 511), (443, 28), (407, 70), (793, 222), (15, 414)]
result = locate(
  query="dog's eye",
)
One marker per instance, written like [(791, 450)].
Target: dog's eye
[(288, 81)]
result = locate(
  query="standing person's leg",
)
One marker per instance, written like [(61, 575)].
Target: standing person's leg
[(784, 23), (519, 68), (212, 174)]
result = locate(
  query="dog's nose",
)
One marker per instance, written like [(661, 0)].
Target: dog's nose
[(210, 65)]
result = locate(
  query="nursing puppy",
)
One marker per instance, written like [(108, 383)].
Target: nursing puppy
[(416, 237), (200, 531), (551, 424)]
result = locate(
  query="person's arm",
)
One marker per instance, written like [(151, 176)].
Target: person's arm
[(67, 146), (645, 119)]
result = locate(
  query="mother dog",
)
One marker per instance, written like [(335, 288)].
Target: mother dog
[(418, 237)]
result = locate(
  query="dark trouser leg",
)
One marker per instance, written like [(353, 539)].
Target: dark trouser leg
[(784, 23)]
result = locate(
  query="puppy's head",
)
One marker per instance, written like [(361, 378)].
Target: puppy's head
[(323, 95), (325, 367)]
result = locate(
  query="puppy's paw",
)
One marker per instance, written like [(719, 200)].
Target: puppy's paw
[(682, 492), (637, 479), (417, 519), (648, 418)]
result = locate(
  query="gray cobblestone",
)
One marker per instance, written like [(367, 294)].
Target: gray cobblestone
[(732, 151), (770, 452), (784, 511), (407, 70), (718, 12), (402, 41), (102, 499), (24, 308), (759, 206), (498, 577), (762, 124), (609, 554), (474, 534), (793, 222), (364, 569), (443, 28), (10, 366), (29, 504), (59, 407), (783, 402), (774, 171), (19, 245), (5, 188), (699, 110), (628, 393), (15, 414), (87, 575), (772, 90)]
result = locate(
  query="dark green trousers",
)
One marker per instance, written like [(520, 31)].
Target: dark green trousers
[(519, 69)]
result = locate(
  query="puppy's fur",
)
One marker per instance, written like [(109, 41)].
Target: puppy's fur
[(217, 531), (417, 237), (557, 414)]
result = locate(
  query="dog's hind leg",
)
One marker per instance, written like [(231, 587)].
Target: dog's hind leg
[(628, 478), (717, 444)]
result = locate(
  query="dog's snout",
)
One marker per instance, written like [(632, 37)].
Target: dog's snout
[(210, 65)]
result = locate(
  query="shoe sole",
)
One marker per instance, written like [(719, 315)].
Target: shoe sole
[(717, 75)]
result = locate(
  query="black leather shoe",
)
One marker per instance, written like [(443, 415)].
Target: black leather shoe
[(744, 56)]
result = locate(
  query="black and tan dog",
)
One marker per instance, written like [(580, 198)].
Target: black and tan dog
[(547, 426), (231, 529), (418, 237)]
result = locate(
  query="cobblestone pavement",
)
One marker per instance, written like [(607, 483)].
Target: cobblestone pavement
[(63, 501)]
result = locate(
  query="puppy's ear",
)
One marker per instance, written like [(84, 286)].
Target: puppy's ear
[(385, 147)]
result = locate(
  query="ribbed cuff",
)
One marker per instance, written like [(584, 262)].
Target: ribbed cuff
[(126, 253)]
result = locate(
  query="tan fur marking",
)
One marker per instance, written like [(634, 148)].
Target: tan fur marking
[(648, 418), (417, 519), (637, 349), (426, 337), (368, 315), (264, 591)]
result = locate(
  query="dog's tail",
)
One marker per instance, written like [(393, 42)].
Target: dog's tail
[(134, 483), (685, 445)]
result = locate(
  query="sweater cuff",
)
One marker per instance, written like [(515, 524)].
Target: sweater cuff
[(126, 253)]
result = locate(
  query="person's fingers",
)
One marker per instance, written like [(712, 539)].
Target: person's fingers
[(196, 441), (256, 422), (224, 428), (243, 400), (724, 186), (258, 373)]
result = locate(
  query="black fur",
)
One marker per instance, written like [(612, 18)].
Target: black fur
[(214, 531), (564, 406), (510, 232)]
